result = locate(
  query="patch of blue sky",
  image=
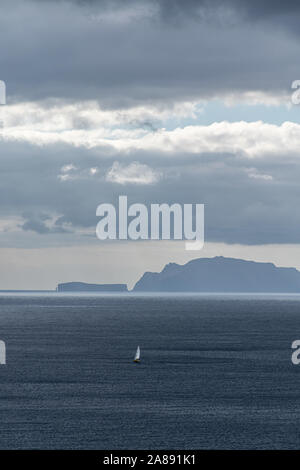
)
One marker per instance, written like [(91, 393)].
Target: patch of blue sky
[(217, 111)]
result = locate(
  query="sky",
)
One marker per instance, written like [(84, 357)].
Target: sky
[(160, 100)]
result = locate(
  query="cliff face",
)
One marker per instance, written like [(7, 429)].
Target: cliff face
[(83, 287), (221, 275)]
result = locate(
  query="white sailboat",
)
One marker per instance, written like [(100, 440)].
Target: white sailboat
[(137, 357)]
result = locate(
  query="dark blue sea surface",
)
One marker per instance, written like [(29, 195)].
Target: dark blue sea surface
[(216, 372)]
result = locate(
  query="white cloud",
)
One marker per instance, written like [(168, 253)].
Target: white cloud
[(86, 125), (135, 173), (68, 172), (252, 139), (65, 177), (57, 115), (71, 172), (253, 173), (67, 168)]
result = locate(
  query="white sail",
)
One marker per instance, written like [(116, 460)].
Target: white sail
[(137, 354)]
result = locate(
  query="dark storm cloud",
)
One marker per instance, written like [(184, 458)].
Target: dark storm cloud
[(253, 8), (100, 50), (209, 10)]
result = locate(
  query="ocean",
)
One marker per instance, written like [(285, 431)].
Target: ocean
[(215, 372)]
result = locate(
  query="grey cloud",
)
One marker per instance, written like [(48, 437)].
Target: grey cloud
[(71, 54), (239, 209), (36, 226), (37, 223)]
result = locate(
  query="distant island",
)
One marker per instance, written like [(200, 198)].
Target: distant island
[(214, 275), (221, 274), (84, 287)]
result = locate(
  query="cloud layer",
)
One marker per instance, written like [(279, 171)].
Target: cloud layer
[(128, 53), (119, 97)]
